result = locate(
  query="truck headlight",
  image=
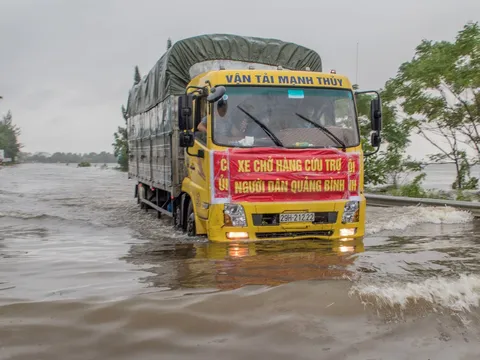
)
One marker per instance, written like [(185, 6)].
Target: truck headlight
[(351, 212), (234, 215)]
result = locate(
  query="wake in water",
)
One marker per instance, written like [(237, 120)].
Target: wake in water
[(419, 269), (401, 218), (459, 294), (309, 320)]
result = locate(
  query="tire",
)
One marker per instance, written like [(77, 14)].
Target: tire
[(177, 218), (191, 231), (140, 196)]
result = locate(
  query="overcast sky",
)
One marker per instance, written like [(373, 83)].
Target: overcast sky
[(66, 65)]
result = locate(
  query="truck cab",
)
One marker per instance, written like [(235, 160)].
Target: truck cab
[(273, 154)]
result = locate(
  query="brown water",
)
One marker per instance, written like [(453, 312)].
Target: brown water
[(84, 274)]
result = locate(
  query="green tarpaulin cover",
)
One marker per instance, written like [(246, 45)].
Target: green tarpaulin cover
[(173, 71)]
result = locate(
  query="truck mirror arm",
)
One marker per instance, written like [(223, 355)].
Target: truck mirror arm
[(376, 120), (187, 139), (200, 154)]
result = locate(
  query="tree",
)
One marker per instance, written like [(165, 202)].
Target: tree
[(120, 144), (439, 92), (137, 77), (390, 162), (9, 134), (169, 43)]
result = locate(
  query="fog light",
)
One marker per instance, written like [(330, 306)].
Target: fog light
[(348, 232), (234, 235)]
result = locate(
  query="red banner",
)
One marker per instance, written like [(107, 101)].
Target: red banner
[(267, 174)]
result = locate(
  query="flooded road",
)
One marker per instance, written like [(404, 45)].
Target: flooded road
[(85, 274)]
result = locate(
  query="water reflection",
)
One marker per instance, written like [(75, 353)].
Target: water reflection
[(233, 265)]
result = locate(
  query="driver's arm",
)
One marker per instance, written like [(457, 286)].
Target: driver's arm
[(203, 125)]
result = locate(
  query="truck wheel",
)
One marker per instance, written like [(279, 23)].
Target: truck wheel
[(191, 231), (141, 195), (177, 218)]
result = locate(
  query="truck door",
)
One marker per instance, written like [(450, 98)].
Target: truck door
[(198, 167)]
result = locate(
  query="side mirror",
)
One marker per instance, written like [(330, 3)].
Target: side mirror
[(375, 118), (185, 112), (216, 93), (375, 139), (187, 139), (376, 114)]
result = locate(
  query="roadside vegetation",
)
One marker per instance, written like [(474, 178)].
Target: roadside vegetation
[(437, 96), (9, 133)]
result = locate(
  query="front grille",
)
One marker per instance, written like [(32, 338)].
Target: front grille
[(274, 219), (271, 235)]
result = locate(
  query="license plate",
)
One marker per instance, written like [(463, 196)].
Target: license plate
[(297, 217)]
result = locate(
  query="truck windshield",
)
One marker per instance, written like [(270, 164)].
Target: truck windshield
[(287, 117)]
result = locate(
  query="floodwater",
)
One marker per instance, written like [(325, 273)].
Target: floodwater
[(85, 274)]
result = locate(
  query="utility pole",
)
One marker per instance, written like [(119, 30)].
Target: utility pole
[(1, 120), (356, 65)]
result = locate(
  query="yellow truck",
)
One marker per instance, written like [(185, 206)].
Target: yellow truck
[(243, 138)]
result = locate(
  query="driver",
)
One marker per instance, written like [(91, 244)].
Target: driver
[(223, 122), (222, 108)]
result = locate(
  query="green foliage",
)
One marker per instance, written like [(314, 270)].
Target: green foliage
[(137, 77), (412, 189), (461, 196), (84, 164), (464, 180), (9, 134), (439, 91), (120, 144)]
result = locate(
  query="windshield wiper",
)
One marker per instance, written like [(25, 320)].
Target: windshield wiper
[(266, 129), (325, 130)]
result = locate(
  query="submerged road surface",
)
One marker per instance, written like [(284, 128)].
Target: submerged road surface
[(85, 274)]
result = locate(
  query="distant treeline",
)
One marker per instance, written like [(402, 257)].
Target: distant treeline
[(103, 158)]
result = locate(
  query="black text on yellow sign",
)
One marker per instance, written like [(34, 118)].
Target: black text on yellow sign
[(284, 79)]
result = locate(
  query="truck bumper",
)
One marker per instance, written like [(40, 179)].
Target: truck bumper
[(263, 222)]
